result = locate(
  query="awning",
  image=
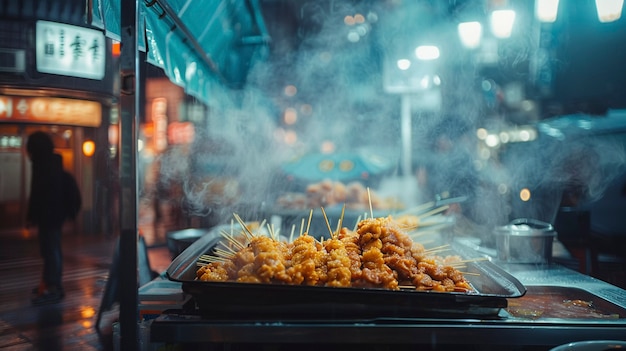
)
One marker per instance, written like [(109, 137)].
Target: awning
[(200, 44)]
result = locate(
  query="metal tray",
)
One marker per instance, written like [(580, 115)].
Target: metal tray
[(232, 300)]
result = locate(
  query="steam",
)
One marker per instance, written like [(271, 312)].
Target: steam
[(232, 164)]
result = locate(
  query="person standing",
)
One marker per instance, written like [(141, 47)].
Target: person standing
[(46, 211)]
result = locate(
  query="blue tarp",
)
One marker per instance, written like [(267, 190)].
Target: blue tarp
[(337, 167), (220, 28)]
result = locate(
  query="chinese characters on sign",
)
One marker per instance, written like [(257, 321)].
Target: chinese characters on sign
[(70, 50)]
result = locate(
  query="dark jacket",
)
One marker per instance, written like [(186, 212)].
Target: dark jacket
[(45, 206)]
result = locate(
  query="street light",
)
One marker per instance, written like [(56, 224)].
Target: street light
[(609, 10), (427, 52), (502, 23), (546, 10), (470, 34)]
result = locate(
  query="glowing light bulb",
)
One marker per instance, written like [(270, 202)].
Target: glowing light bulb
[(502, 23), (524, 194), (546, 10), (403, 64), (609, 10), (427, 52), (470, 34), (89, 147)]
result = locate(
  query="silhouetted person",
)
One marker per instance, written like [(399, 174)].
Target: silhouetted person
[(46, 211)]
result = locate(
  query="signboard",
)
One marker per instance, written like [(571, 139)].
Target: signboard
[(70, 50), (50, 110), (180, 133), (159, 119)]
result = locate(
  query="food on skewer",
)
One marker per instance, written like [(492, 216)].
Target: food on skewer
[(328, 193), (378, 254)]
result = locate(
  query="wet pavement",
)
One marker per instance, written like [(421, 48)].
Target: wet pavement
[(71, 323)]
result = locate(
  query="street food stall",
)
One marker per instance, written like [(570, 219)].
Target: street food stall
[(515, 301), (303, 268)]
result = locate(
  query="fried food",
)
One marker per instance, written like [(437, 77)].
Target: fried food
[(378, 254), (328, 193)]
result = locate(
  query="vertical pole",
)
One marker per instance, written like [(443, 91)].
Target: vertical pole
[(406, 132), (128, 177)]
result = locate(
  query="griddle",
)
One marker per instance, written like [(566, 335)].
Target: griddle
[(249, 301)]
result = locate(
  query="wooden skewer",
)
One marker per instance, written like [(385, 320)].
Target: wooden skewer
[(263, 223), (432, 253), (369, 199), (438, 248), (209, 258), (343, 211), (293, 229), (418, 209), (243, 225), (308, 225), (327, 223), (232, 240), (224, 253), (302, 227), (358, 219), (470, 273), (477, 259), (434, 211), (270, 230), (229, 248)]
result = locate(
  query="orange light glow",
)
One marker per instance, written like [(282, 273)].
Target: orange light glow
[(524, 194), (291, 137), (116, 49), (291, 116), (89, 148), (114, 134), (327, 147), (87, 312)]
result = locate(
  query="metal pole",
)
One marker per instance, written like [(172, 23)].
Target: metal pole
[(406, 130), (129, 100)]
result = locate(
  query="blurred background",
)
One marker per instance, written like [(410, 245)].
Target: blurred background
[(254, 106)]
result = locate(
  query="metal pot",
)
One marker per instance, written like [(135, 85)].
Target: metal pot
[(179, 240), (525, 241)]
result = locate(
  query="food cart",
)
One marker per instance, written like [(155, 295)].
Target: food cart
[(525, 304)]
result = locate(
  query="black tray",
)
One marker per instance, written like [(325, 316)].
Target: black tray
[(492, 285)]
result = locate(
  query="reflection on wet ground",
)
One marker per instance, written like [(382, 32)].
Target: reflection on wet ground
[(70, 324)]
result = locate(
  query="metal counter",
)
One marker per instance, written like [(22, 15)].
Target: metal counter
[(175, 327)]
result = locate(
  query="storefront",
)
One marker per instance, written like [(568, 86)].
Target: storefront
[(57, 75)]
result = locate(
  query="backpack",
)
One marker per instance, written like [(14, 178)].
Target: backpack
[(72, 200)]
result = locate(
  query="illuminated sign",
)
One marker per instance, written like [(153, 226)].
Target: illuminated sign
[(50, 111), (159, 119), (70, 50), (180, 133)]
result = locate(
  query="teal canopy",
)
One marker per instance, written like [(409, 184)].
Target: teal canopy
[(341, 166), (200, 44)]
